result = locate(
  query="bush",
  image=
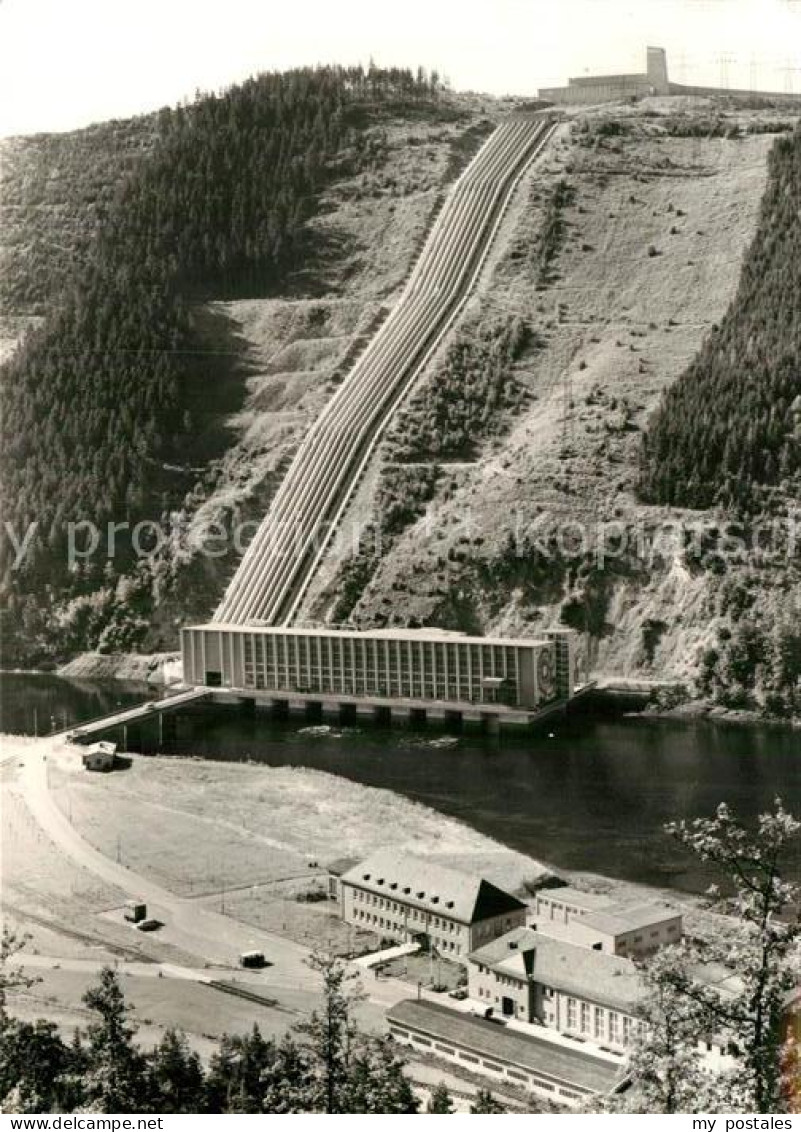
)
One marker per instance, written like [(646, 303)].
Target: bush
[(467, 398)]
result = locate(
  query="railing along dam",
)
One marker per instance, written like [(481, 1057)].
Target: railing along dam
[(281, 560)]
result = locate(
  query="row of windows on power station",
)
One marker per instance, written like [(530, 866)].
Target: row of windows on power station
[(428, 670)]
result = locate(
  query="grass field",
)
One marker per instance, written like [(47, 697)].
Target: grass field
[(198, 827), (275, 907), (157, 1004)]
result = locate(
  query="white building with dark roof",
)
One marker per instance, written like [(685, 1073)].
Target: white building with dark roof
[(531, 977), (403, 897)]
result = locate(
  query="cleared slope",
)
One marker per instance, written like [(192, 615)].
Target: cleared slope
[(649, 261), (284, 551)]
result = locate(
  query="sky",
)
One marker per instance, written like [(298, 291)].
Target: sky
[(67, 63)]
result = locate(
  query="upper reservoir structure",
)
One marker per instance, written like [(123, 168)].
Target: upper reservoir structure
[(587, 90)]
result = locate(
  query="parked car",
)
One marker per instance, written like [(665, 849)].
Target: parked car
[(149, 925), (252, 959)]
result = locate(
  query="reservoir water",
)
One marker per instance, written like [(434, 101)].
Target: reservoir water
[(37, 703), (592, 797)]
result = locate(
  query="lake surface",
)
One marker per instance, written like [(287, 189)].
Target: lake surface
[(593, 797), (38, 704)]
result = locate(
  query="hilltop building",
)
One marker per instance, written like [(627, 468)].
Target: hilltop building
[(590, 89), (403, 897)]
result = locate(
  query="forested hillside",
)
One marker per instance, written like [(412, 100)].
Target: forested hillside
[(730, 427), (104, 392), (56, 190)]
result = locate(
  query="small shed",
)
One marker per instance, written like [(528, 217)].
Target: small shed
[(135, 911), (99, 756)]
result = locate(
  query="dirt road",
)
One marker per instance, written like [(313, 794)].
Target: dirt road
[(215, 939), (195, 929)]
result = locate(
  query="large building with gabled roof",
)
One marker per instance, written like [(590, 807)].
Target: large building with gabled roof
[(531, 977), (401, 896)]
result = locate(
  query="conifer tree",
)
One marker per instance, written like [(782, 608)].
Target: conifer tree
[(485, 1104), (115, 1079), (440, 1101)]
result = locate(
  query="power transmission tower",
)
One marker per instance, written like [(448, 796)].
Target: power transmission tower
[(753, 74), (724, 61), (789, 70)]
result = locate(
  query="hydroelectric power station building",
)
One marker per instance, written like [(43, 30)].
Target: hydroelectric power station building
[(408, 673), (253, 650)]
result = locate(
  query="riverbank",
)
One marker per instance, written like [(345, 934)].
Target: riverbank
[(255, 836), (670, 699), (153, 668)]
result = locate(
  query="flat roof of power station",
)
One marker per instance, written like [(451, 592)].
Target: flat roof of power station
[(424, 634)]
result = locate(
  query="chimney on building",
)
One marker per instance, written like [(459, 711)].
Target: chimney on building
[(657, 70)]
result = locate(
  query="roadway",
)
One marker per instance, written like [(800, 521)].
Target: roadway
[(215, 939), (136, 713)]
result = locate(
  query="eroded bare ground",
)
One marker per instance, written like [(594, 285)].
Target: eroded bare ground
[(650, 257)]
